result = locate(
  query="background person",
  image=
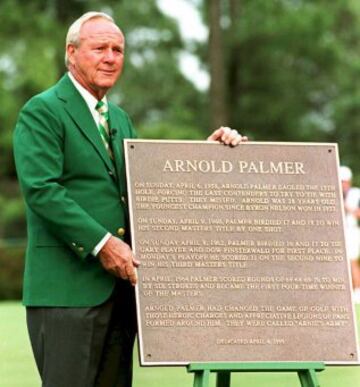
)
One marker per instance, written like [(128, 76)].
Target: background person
[(351, 196), (79, 267)]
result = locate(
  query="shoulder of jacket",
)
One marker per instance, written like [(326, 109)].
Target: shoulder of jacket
[(118, 108), (46, 99)]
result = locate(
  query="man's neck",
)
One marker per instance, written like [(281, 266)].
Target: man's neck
[(98, 94)]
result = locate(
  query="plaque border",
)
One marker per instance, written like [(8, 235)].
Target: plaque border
[(127, 144)]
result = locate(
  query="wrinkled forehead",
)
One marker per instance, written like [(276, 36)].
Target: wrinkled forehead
[(101, 29)]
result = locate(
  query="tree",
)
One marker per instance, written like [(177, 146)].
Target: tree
[(290, 68), (218, 89)]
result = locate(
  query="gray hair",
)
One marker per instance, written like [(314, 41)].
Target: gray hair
[(73, 34)]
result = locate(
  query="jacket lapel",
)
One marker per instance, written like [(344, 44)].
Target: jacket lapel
[(116, 139), (79, 112)]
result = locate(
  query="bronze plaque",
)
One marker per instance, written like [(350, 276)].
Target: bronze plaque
[(242, 253)]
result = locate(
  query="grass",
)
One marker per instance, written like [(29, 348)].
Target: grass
[(17, 367)]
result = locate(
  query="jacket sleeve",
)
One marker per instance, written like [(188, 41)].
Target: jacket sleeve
[(38, 152)]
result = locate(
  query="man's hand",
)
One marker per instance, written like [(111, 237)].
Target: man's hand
[(117, 258), (227, 136)]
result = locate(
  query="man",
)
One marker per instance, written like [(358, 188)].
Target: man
[(79, 267), (351, 197)]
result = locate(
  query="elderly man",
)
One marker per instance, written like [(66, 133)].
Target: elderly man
[(80, 270)]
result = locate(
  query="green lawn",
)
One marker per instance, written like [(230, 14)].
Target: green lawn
[(17, 368)]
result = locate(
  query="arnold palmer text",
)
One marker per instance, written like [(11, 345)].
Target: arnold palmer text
[(241, 166)]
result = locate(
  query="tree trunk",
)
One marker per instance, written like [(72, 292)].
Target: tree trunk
[(234, 59), (218, 100)]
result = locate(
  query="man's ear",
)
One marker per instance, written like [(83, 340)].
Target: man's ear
[(70, 50)]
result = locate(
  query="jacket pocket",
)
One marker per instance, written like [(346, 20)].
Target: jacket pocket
[(45, 239)]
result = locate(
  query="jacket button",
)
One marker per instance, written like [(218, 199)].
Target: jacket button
[(123, 199), (121, 231), (81, 249)]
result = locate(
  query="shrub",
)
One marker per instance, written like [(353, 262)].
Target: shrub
[(11, 269)]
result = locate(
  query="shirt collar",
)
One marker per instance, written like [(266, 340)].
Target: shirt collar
[(90, 100)]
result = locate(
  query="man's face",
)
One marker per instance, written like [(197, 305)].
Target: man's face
[(98, 60), (346, 185)]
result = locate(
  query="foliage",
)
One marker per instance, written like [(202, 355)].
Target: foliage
[(11, 273), (291, 67)]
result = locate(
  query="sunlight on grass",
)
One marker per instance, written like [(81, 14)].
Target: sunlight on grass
[(17, 367)]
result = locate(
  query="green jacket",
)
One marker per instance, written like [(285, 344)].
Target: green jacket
[(74, 195)]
